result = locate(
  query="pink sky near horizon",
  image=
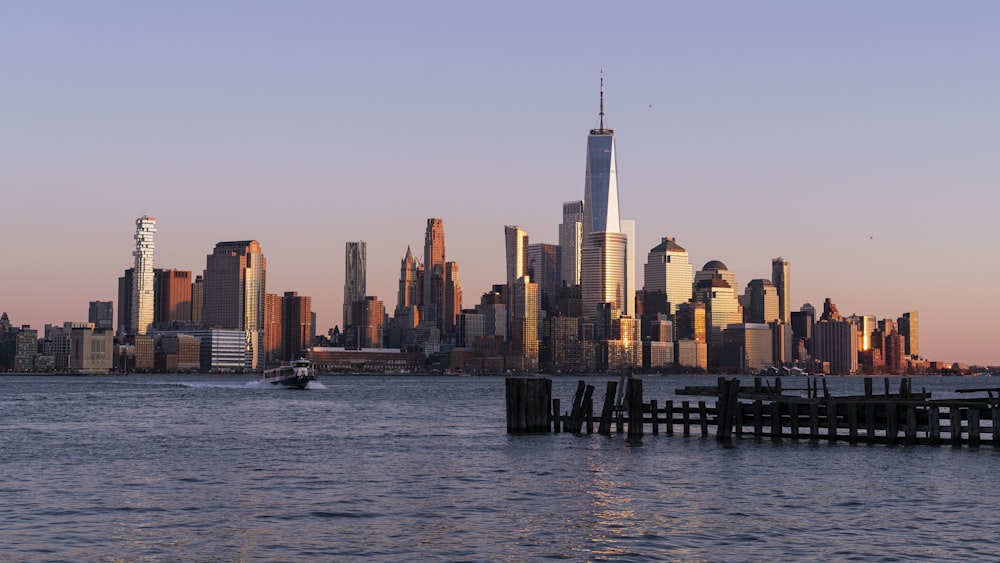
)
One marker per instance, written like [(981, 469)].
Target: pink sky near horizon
[(858, 141)]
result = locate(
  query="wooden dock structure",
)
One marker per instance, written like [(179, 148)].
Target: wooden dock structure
[(762, 411)]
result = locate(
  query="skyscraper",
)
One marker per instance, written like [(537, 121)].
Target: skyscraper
[(142, 309), (781, 277), (355, 264), (668, 271), (762, 302), (602, 278), (543, 263), (173, 297), (407, 296), (605, 260), (600, 202), (570, 242), (102, 314), (909, 327), (452, 305), (524, 330), (516, 241), (234, 293), (433, 301)]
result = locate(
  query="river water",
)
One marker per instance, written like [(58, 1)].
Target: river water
[(222, 468)]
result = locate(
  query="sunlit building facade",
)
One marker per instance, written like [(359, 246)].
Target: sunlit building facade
[(355, 280), (234, 293), (570, 242), (143, 281), (603, 276), (668, 271), (762, 302)]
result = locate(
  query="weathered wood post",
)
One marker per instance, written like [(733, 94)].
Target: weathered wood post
[(604, 427), (668, 417), (973, 426), (868, 387), (556, 416), (633, 398), (934, 425), (654, 417), (955, 414), (576, 411), (528, 401)]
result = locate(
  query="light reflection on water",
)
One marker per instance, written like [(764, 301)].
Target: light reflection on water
[(381, 468)]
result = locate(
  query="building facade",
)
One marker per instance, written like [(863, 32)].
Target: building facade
[(234, 294), (142, 310)]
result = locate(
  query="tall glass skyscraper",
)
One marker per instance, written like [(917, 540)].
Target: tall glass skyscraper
[(234, 293), (355, 266), (143, 280), (781, 277), (570, 242), (600, 201)]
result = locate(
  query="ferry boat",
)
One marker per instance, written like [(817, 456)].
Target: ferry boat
[(296, 375)]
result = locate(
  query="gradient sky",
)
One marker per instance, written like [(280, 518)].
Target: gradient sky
[(856, 139)]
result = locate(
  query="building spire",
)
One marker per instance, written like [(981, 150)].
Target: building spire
[(601, 126)]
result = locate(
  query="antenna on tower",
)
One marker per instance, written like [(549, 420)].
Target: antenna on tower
[(601, 126)]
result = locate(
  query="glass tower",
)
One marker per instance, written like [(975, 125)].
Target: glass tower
[(355, 266), (600, 202)]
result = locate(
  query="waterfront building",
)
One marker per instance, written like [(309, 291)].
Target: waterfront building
[(691, 354), (125, 302), (668, 271), (542, 267), (355, 286), (470, 326), (747, 348), (369, 314), (781, 277), (762, 302), (142, 309), (102, 314), (178, 352), (570, 243), (91, 351), (782, 348), (234, 294), (297, 328), (835, 340)]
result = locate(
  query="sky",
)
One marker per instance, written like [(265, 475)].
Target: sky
[(856, 139)]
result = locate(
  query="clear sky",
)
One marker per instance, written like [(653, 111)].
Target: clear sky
[(858, 140)]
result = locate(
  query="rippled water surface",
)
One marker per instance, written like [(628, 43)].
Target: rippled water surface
[(220, 468)]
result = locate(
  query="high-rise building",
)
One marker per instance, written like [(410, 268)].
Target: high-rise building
[(452, 305), (570, 242), (691, 322), (602, 273), (355, 288), (866, 324), (716, 269), (668, 271), (835, 340), (781, 277), (516, 241), (524, 330), (273, 331), (433, 278), (407, 295), (296, 325), (628, 229), (234, 293), (125, 302), (102, 315), (542, 266), (173, 297), (762, 302), (600, 202), (142, 309), (909, 327), (721, 310), (197, 299)]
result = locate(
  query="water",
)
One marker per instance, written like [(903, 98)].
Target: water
[(220, 468)]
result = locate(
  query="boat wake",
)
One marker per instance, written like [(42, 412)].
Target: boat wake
[(315, 385)]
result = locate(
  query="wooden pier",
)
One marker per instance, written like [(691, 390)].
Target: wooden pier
[(762, 411)]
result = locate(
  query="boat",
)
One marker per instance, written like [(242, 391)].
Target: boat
[(296, 375)]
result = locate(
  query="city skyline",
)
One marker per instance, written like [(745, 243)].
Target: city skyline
[(834, 136)]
